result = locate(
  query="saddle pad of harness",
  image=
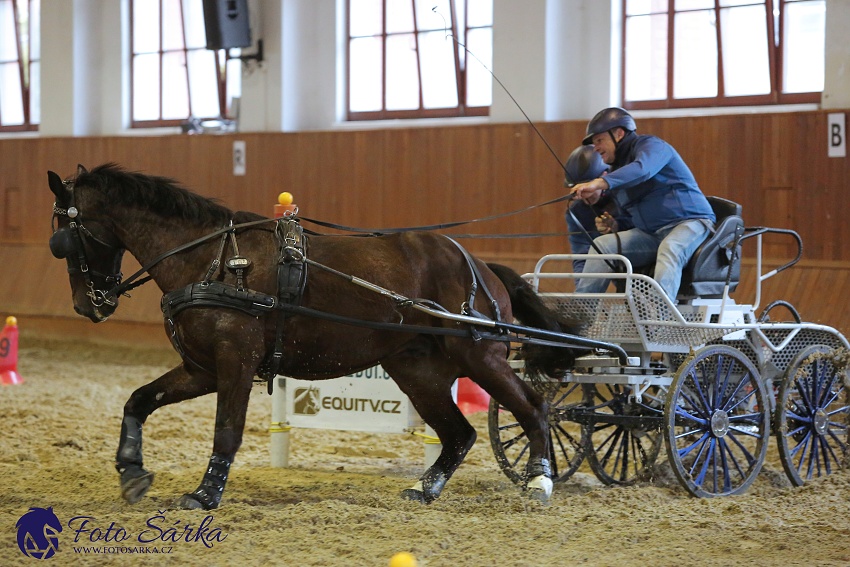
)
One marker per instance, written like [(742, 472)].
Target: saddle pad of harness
[(216, 294)]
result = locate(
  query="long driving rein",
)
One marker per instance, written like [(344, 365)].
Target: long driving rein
[(68, 242)]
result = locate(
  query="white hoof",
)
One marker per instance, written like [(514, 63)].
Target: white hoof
[(540, 488)]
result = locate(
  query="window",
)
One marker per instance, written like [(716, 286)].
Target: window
[(418, 59), (687, 53), (174, 76), (19, 65)]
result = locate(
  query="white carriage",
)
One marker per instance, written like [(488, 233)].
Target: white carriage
[(708, 378)]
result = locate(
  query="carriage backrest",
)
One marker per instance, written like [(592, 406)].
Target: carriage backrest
[(707, 272)]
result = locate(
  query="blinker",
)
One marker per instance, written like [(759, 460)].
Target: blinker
[(61, 243)]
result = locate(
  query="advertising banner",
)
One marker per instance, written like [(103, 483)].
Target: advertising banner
[(367, 401)]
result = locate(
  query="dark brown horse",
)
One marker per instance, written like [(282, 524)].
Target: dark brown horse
[(320, 326)]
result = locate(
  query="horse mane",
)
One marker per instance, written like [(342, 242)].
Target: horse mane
[(161, 195)]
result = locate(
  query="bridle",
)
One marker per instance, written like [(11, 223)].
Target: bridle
[(70, 243)]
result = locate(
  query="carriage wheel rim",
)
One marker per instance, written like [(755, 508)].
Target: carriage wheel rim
[(717, 423), (812, 415)]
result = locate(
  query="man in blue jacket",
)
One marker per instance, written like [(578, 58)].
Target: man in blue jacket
[(586, 221), (651, 182)]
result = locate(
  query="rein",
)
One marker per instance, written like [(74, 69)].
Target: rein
[(568, 197), (131, 283), (66, 242)]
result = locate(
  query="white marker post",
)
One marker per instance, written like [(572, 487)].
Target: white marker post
[(279, 429)]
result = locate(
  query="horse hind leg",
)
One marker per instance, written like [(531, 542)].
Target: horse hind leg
[(427, 381), (176, 385), (494, 374)]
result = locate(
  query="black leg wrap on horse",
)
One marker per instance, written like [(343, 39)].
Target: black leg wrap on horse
[(432, 481), (536, 467), (135, 480), (208, 494), (130, 445)]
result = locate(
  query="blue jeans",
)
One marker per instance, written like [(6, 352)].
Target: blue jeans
[(670, 248)]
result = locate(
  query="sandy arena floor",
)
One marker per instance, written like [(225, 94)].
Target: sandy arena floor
[(338, 504)]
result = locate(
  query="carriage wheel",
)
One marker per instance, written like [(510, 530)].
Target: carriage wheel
[(718, 422), (812, 415), (621, 451), (511, 445)]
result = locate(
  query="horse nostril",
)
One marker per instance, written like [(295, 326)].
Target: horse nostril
[(77, 309)]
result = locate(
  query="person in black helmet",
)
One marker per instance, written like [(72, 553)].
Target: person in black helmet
[(652, 183), (586, 220)]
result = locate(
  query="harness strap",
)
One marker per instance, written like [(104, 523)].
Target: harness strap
[(217, 260), (131, 283), (291, 279), (469, 308)]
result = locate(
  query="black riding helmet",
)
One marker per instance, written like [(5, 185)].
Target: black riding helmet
[(583, 165), (606, 120)]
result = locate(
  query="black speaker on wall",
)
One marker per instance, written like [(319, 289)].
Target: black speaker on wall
[(226, 23)]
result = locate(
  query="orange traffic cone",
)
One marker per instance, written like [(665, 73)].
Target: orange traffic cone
[(471, 397), (284, 206), (9, 353)]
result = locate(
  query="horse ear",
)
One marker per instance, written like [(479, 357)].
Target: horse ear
[(56, 185), (81, 170)]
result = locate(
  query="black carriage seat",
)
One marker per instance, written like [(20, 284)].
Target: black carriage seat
[(706, 273)]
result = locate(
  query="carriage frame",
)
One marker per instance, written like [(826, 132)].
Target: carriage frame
[(707, 378)]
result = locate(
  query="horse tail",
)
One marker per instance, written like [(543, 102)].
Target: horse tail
[(530, 310)]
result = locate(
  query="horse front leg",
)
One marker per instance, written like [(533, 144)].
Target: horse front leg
[(174, 386), (235, 378)]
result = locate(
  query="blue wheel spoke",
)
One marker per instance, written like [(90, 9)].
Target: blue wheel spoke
[(684, 451), (794, 416), (801, 447), (700, 394), (843, 409), (746, 380), (747, 455), (680, 412), (838, 441), (726, 455), (794, 432), (804, 395), (700, 479), (813, 457), (725, 383), (702, 411), (735, 462), (828, 455)]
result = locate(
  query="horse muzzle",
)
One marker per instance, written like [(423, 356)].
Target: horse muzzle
[(96, 313)]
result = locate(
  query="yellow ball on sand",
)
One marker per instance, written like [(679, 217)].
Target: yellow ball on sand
[(11, 321), (285, 198), (403, 559)]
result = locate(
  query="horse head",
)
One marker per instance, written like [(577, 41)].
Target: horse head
[(83, 238)]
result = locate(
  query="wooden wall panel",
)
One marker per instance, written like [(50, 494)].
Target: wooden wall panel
[(775, 165)]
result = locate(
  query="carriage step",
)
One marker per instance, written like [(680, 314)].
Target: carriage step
[(594, 361)]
